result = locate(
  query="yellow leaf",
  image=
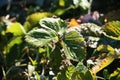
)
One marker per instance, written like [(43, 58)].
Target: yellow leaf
[(16, 28)]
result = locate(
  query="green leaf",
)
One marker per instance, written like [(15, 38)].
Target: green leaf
[(55, 59), (41, 37), (112, 30), (66, 73), (81, 67), (34, 18), (106, 74), (73, 36), (16, 28), (90, 32), (112, 37), (55, 24), (77, 76), (89, 29), (71, 73), (73, 45), (86, 75), (84, 72), (89, 76), (62, 3), (13, 50), (60, 11), (105, 48), (115, 75), (12, 42), (106, 60)]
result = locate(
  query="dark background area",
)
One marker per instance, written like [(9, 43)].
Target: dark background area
[(105, 6)]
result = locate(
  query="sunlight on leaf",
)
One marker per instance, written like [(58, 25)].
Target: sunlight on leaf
[(107, 60), (112, 30), (62, 3), (73, 45), (115, 75), (34, 18), (73, 35), (56, 24), (41, 37), (16, 28), (90, 32), (105, 48)]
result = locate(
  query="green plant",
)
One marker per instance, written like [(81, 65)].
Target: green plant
[(53, 50), (72, 44), (69, 44)]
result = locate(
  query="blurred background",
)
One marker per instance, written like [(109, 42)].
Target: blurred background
[(62, 8)]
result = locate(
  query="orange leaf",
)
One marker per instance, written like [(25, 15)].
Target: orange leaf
[(73, 23)]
